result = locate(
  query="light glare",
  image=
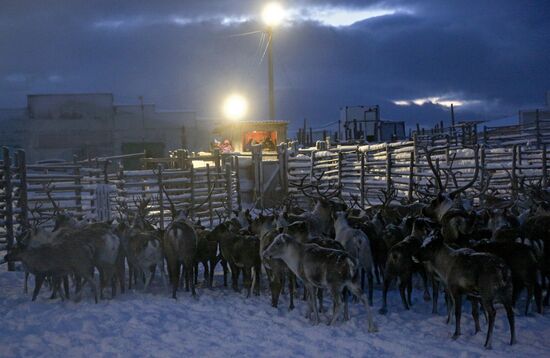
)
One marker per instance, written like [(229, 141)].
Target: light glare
[(235, 107), (273, 14)]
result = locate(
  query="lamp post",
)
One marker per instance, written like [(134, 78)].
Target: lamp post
[(272, 16)]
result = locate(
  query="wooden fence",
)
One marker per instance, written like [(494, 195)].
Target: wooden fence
[(27, 190), (364, 173)]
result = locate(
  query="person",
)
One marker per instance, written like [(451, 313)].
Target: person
[(268, 144), (226, 146)]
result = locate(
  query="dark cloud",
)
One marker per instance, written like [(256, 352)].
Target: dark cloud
[(494, 52)]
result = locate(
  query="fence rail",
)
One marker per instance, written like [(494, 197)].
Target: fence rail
[(28, 192), (365, 173)]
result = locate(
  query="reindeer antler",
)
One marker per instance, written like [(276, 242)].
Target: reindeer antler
[(48, 190)]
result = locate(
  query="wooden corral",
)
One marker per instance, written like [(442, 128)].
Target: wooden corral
[(28, 191)]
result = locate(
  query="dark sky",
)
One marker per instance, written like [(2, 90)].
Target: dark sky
[(493, 56)]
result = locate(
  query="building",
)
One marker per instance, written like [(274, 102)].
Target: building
[(59, 126), (364, 123), (242, 134)]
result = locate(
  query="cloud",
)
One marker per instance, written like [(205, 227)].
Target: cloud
[(182, 54)]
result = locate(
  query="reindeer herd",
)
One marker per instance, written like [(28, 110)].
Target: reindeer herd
[(487, 253)]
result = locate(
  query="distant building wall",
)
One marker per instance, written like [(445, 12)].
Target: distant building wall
[(62, 125)]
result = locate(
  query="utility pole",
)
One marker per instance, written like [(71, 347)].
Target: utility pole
[(270, 74), (142, 119)]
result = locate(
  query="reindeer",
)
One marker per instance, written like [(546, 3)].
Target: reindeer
[(265, 227), (317, 268), (320, 218), (107, 257), (400, 265), (357, 245), (465, 271), (456, 222), (58, 261), (180, 244)]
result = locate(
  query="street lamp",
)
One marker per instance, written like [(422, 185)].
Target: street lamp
[(235, 107), (272, 15)]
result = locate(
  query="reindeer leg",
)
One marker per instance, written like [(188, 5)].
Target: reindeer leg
[(225, 270), (291, 289), (66, 286), (193, 292), (488, 306), (530, 290), (435, 295), (314, 301), (402, 286), (38, 281), (387, 281), (26, 287), (511, 322), (370, 280), (409, 290), (457, 298), (475, 314), (354, 289), (425, 283), (337, 304)]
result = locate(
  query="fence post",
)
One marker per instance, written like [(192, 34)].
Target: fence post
[(78, 188), (411, 178), (8, 209), (388, 168), (161, 196), (282, 154), (208, 185), (514, 166), (483, 171), (238, 182), (362, 180), (544, 167), (120, 184), (192, 184), (537, 128), (340, 167), (23, 203), (229, 188), (256, 150)]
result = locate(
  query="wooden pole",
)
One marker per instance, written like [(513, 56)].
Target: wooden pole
[(238, 182), (514, 177), (161, 196), (340, 168), (362, 180), (23, 203), (78, 188), (411, 178), (537, 128), (544, 167), (388, 168), (192, 177), (8, 209), (208, 185), (229, 188)]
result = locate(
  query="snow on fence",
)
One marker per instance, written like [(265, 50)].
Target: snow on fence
[(365, 173), (27, 191)]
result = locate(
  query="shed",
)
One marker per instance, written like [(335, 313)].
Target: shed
[(242, 134)]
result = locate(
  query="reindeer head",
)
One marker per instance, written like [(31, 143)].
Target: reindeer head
[(442, 201), (429, 248), (299, 230), (279, 247), (262, 223)]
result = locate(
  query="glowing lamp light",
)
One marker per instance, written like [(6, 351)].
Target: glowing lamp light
[(235, 107), (273, 14)]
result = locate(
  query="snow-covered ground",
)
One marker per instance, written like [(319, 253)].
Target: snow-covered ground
[(223, 323)]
